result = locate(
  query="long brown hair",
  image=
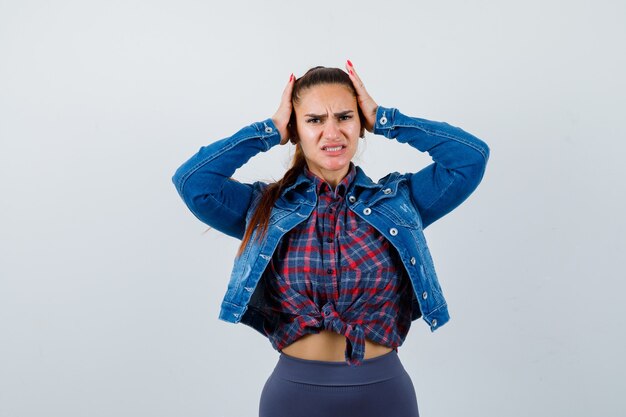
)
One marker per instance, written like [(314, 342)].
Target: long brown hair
[(314, 76)]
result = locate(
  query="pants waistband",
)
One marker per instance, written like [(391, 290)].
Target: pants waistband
[(306, 371)]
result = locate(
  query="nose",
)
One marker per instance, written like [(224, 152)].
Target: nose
[(331, 130)]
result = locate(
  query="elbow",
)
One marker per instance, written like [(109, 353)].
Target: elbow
[(474, 172), (474, 167), (482, 150), (178, 181), (480, 165), (486, 152), (477, 161)]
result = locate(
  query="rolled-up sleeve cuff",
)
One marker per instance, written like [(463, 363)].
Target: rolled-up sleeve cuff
[(268, 132), (385, 119)]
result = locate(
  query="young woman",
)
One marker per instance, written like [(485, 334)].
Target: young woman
[(333, 267)]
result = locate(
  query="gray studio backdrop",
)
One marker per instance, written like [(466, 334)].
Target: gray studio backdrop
[(110, 289)]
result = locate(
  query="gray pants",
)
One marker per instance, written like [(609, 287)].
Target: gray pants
[(309, 388)]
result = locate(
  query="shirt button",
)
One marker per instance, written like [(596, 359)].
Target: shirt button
[(424, 295), (383, 120), (352, 199), (387, 191), (393, 231), (434, 322), (367, 211), (329, 271), (329, 239), (268, 129), (413, 260)]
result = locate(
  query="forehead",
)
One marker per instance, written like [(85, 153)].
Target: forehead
[(326, 95)]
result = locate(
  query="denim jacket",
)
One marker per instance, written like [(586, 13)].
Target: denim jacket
[(399, 206)]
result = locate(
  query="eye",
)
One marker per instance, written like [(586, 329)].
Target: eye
[(345, 117), (313, 120)]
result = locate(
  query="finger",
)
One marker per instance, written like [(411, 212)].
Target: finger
[(286, 98), (356, 81), (352, 71)]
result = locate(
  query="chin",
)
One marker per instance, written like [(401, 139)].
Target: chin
[(337, 166)]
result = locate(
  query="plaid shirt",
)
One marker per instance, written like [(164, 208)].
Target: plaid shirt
[(334, 271)]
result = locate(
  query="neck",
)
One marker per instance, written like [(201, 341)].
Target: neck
[(333, 178)]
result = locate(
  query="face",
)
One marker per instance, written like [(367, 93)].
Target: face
[(328, 126)]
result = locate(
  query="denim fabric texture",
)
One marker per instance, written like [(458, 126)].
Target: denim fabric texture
[(400, 206)]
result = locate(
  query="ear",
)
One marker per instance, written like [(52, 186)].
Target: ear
[(292, 128), (362, 120)]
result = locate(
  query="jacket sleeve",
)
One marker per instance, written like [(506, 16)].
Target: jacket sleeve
[(459, 159), (204, 181)]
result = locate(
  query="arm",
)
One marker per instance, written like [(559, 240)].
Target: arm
[(459, 161), (459, 157), (204, 181)]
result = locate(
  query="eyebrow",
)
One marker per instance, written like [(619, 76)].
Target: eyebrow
[(339, 114)]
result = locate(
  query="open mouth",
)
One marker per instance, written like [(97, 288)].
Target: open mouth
[(333, 148)]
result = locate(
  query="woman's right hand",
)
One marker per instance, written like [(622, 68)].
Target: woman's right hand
[(283, 114)]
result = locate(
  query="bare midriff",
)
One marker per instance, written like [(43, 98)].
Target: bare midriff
[(329, 346)]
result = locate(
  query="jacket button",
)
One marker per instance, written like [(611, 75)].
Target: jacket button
[(387, 191), (367, 211), (424, 295), (393, 231), (352, 199), (383, 120), (413, 260), (434, 322), (268, 130)]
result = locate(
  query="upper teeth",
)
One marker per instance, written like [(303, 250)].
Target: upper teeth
[(336, 148)]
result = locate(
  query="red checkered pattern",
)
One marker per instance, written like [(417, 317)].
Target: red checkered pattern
[(334, 271)]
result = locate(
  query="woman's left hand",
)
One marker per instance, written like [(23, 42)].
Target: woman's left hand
[(366, 102)]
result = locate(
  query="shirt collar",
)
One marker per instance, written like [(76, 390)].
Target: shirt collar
[(322, 185), (360, 180)]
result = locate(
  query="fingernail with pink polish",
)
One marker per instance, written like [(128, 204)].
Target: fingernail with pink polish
[(350, 63)]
